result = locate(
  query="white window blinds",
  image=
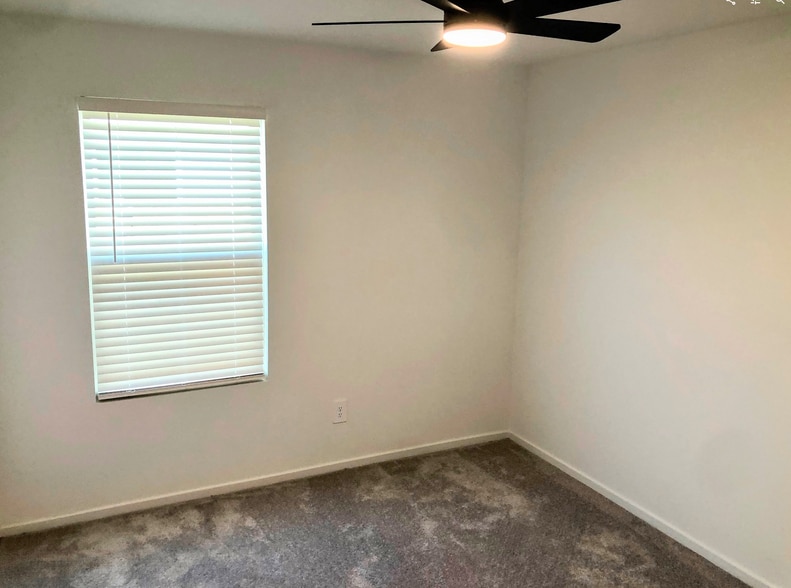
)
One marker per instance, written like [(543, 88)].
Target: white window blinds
[(176, 229)]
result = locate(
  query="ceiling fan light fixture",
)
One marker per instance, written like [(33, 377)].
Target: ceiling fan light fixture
[(473, 34), (485, 23)]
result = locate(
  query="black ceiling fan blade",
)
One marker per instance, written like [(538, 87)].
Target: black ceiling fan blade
[(368, 22), (445, 5), (533, 8), (571, 30), (441, 46), (481, 6)]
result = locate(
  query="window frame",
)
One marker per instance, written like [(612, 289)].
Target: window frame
[(133, 106)]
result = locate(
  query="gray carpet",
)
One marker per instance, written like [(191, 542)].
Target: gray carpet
[(486, 516)]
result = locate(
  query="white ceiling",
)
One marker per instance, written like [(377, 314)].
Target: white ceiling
[(641, 20)]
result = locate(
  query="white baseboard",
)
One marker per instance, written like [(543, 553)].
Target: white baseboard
[(665, 527), (662, 525), (208, 491)]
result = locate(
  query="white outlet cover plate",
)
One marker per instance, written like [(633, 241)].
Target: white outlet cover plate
[(340, 414)]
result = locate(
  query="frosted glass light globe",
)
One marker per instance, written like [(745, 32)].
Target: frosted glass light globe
[(473, 35)]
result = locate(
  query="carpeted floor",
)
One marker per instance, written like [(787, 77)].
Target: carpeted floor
[(486, 516)]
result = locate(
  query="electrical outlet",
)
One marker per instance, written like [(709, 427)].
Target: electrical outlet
[(339, 411)]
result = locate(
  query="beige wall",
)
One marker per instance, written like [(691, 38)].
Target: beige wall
[(653, 340), (394, 187)]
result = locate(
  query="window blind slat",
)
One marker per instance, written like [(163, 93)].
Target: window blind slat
[(163, 380), (156, 359), (174, 367), (133, 311), (188, 302), (213, 340), (195, 292), (100, 168), (162, 288), (175, 220), (159, 332), (228, 154), (226, 316)]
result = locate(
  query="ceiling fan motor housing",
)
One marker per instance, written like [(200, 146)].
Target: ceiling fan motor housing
[(488, 18)]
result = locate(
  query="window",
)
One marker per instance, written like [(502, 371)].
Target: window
[(176, 231)]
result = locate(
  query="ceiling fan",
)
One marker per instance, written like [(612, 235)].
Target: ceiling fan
[(483, 23)]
